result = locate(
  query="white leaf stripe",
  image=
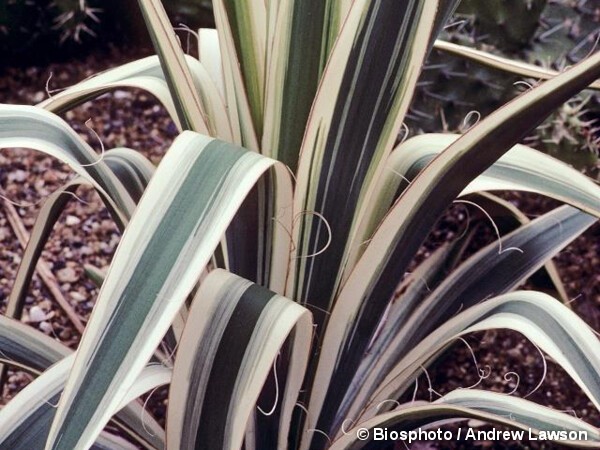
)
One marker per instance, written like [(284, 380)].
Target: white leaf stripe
[(31, 127), (498, 62), (484, 274), (187, 392), (295, 64), (237, 100), (179, 79), (369, 74), (180, 221), (146, 74), (372, 282), (27, 347), (233, 338), (25, 423), (248, 25), (544, 321), (214, 427), (209, 54), (521, 168)]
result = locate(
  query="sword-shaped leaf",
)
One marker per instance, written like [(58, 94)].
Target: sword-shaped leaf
[(146, 74), (302, 33), (365, 295), (237, 97), (192, 115), (547, 323), (247, 30), (234, 334), (363, 96), (498, 62), (26, 419), (134, 172), (529, 413), (521, 168), (496, 269), (179, 222), (31, 127)]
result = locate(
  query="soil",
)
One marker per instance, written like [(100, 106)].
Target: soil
[(86, 234)]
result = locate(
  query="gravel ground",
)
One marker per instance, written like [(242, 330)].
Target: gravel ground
[(87, 234)]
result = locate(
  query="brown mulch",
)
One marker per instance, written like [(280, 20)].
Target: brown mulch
[(86, 234)]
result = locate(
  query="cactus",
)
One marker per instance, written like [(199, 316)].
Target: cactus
[(549, 32), (570, 135), (450, 88), (508, 25), (73, 19), (568, 32), (25, 24)]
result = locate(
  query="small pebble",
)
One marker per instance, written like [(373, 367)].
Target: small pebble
[(45, 327), (67, 275), (72, 220), (37, 314)]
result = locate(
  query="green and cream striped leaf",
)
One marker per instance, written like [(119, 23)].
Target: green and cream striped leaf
[(25, 347), (363, 96), (192, 115), (235, 332), (26, 419), (336, 13), (411, 417), (209, 54), (34, 128), (302, 33), (498, 62), (179, 222), (131, 168), (146, 74), (46, 219), (547, 323), (415, 287), (521, 168), (247, 31), (496, 269), (507, 217), (390, 251), (31, 350), (237, 97), (531, 414)]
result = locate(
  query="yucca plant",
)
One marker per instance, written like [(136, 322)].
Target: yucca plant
[(268, 250)]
